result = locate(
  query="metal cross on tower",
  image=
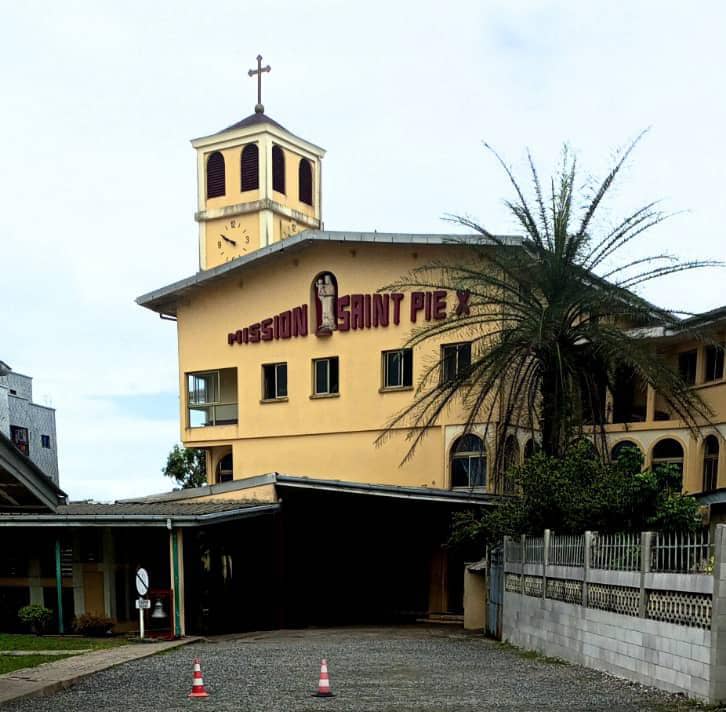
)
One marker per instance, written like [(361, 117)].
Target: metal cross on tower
[(259, 107)]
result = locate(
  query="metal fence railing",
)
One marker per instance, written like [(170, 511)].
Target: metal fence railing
[(567, 550), (615, 552), (682, 553)]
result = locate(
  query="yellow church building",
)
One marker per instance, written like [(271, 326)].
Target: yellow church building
[(292, 361)]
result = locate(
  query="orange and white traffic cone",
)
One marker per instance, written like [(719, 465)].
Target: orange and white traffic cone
[(198, 682), (324, 684)]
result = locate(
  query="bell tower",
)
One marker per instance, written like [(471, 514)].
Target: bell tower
[(257, 183)]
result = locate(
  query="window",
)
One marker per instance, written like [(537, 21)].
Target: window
[(455, 360), (325, 376), (687, 366), (21, 438), (274, 381), (468, 463), (668, 452), (305, 181), (45, 441), (215, 175), (212, 398), (224, 468), (278, 169), (710, 463), (620, 448), (250, 169), (530, 448), (714, 363), (398, 368)]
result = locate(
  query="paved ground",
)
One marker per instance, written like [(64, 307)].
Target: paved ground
[(371, 670)]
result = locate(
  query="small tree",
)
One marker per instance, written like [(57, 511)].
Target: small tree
[(580, 491), (188, 466), (36, 617)]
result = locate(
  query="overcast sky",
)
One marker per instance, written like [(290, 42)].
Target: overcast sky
[(98, 102)]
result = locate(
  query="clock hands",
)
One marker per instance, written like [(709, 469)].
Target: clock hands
[(231, 242)]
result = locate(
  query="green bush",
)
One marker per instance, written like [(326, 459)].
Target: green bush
[(578, 492), (92, 625), (36, 617)]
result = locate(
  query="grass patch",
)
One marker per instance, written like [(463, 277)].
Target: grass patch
[(10, 641), (531, 654), (10, 663)]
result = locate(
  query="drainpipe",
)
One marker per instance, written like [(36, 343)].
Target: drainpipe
[(59, 584)]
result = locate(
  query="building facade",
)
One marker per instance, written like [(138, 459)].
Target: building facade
[(31, 426)]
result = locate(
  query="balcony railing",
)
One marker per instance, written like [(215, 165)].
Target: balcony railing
[(202, 415)]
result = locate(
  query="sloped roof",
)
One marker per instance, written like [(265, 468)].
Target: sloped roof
[(163, 300), (23, 482)]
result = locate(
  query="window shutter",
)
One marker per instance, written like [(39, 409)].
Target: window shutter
[(278, 169), (305, 181), (250, 167), (215, 175)]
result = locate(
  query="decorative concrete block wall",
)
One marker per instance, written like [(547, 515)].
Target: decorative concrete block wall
[(651, 609)]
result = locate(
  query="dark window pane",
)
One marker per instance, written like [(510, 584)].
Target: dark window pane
[(393, 369), (321, 376), (464, 357), (687, 366), (407, 367), (449, 363), (460, 472), (477, 471), (281, 380), (334, 375), (714, 363), (268, 379)]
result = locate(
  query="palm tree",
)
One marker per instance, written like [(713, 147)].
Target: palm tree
[(553, 321)]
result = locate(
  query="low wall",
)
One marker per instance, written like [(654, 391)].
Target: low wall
[(650, 608), (672, 657)]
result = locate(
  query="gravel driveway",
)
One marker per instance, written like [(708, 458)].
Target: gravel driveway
[(371, 669)]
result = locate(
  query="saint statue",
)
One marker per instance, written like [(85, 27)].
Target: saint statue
[(326, 290)]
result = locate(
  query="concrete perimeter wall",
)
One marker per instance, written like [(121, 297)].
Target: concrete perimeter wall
[(672, 657)]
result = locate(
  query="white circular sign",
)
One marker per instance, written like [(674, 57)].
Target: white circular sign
[(142, 582)]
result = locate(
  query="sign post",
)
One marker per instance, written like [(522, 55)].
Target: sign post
[(142, 588)]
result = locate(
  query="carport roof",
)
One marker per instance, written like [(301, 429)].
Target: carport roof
[(159, 514)]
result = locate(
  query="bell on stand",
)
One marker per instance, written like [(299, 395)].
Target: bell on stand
[(158, 611)]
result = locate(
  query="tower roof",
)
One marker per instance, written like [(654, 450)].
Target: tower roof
[(253, 120)]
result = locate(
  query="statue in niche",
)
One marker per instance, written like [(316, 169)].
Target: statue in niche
[(327, 292)]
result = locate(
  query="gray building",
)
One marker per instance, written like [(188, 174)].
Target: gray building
[(29, 425)]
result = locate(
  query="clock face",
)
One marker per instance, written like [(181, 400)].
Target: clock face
[(233, 239)]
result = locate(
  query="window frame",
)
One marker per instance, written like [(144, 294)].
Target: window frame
[(688, 377), (714, 353), (277, 398), (458, 345), (308, 177), (710, 463), (45, 442), (406, 353), (209, 405), (469, 455), (328, 393)]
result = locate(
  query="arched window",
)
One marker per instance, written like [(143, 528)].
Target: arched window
[(250, 169), (468, 462), (215, 175), (710, 463), (305, 181), (224, 468), (668, 452), (278, 169), (621, 447), (510, 460)]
